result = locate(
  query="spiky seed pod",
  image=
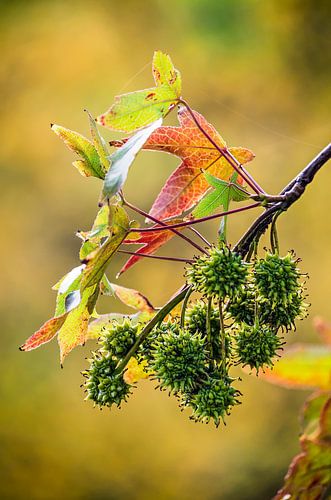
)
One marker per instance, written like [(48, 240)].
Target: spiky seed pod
[(214, 399), (222, 273), (242, 308), (118, 338), (257, 346), (284, 316), (278, 278), (196, 321), (195, 318), (146, 350), (102, 385), (179, 360)]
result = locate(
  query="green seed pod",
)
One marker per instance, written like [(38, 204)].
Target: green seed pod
[(220, 274), (257, 346), (118, 338), (195, 318), (196, 321), (147, 348), (278, 279), (242, 308), (102, 385), (214, 399), (179, 360), (284, 316)]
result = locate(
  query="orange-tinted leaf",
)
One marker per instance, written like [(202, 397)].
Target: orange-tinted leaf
[(46, 333), (132, 298), (152, 241), (71, 327), (302, 366), (323, 328), (309, 474), (187, 184)]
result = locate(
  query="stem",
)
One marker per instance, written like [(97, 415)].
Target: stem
[(161, 223), (267, 198), (223, 338), (209, 335), (184, 306), (253, 250), (172, 259), (273, 234), (200, 236), (194, 221), (159, 316), (226, 153), (289, 195)]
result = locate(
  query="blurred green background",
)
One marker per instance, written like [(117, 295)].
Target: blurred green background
[(259, 71)]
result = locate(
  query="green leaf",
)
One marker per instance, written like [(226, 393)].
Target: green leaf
[(223, 193), (99, 144), (302, 366), (137, 109), (122, 159), (100, 230), (74, 329), (90, 164), (209, 203), (66, 287), (165, 73), (66, 281), (96, 263), (106, 288)]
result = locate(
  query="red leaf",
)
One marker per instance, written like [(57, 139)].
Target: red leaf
[(187, 184), (151, 240)]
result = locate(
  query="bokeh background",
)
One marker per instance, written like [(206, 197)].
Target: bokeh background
[(259, 70)]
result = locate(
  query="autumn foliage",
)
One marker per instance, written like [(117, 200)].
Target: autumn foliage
[(248, 301)]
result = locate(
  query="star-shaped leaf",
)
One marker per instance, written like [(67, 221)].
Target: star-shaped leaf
[(220, 196), (137, 109), (187, 184)]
